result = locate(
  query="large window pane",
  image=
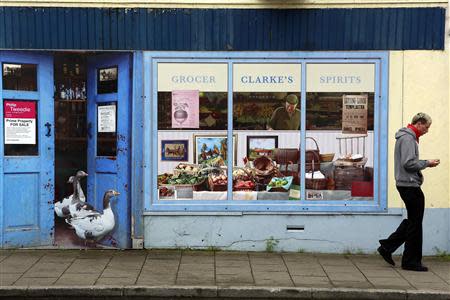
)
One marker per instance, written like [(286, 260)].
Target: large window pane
[(266, 121), (192, 131), (339, 130)]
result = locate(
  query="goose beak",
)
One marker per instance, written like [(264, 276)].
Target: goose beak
[(116, 193)]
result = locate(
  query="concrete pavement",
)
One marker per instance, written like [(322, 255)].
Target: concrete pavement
[(214, 275)]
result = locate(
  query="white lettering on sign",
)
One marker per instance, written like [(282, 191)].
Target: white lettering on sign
[(340, 77), (204, 77), (266, 77), (20, 122)]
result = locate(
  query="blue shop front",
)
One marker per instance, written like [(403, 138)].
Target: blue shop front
[(193, 137)]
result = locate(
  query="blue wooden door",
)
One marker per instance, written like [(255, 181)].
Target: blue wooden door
[(26, 149), (109, 135)]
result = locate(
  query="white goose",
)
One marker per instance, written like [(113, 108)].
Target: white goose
[(62, 207), (95, 226)]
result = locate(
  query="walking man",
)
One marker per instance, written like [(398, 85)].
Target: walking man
[(409, 178)]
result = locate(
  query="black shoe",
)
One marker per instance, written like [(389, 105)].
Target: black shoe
[(418, 268), (386, 255)]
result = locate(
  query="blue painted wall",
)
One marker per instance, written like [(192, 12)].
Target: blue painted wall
[(222, 29), (335, 233)]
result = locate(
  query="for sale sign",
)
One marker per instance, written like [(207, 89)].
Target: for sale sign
[(20, 122)]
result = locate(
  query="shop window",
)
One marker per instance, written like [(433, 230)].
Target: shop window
[(332, 113), (266, 120), (339, 130), (20, 128), (192, 131), (19, 77)]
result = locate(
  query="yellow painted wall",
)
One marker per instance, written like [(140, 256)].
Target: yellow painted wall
[(225, 4), (419, 81)]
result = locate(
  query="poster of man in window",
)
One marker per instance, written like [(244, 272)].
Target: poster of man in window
[(354, 114)]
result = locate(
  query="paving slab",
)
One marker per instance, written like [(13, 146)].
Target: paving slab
[(47, 269), (352, 284), (120, 272), (36, 281), (9, 278), (390, 283), (311, 281), (87, 265), (156, 279), (76, 280), (116, 281)]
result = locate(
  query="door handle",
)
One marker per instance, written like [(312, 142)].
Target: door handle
[(49, 129), (89, 130)]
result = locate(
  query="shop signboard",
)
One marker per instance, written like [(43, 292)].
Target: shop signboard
[(340, 78), (185, 109), (20, 122), (106, 118), (354, 114), (267, 77), (204, 77)]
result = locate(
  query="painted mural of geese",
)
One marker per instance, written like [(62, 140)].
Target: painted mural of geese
[(62, 207), (95, 226)]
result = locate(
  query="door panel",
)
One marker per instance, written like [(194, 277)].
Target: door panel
[(109, 142), (27, 168)]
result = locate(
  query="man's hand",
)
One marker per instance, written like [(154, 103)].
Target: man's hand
[(433, 162)]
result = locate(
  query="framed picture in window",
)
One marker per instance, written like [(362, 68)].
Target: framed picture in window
[(107, 80), (258, 145), (212, 149), (174, 150)]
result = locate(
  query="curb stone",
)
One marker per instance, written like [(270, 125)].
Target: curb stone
[(171, 291), (213, 292)]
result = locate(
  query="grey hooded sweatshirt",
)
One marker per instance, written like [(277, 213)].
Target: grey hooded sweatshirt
[(406, 159)]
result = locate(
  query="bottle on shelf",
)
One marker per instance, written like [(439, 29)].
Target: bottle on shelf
[(62, 93)]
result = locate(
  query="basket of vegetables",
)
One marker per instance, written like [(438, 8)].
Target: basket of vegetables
[(186, 179), (217, 182), (184, 168), (280, 184)]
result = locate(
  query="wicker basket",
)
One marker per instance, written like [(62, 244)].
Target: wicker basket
[(216, 187), (201, 186), (327, 157), (312, 157), (316, 183), (177, 171)]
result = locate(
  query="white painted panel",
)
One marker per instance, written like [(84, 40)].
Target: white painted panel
[(286, 139), (340, 78), (210, 77), (267, 77)]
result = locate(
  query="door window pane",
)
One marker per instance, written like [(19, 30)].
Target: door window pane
[(107, 80), (19, 77), (106, 129), (20, 119)]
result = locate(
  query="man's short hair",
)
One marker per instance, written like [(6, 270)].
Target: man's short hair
[(421, 118)]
